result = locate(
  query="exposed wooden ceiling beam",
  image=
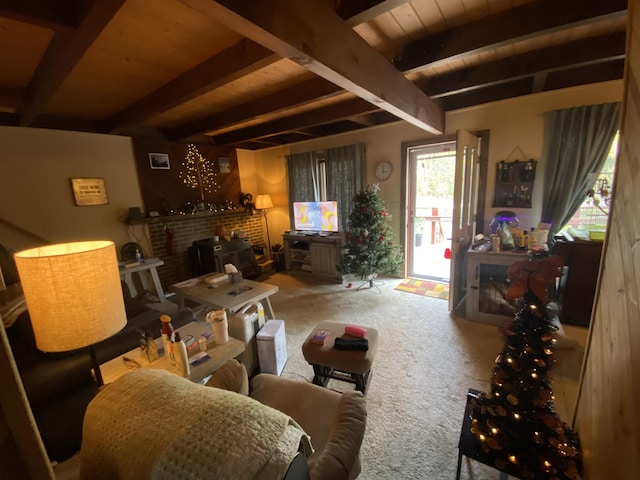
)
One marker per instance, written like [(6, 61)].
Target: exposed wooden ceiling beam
[(12, 96), (299, 95), (356, 12), (64, 52), (295, 122), (241, 59), (234, 62), (526, 22), (55, 15), (601, 49), (314, 37), (604, 48)]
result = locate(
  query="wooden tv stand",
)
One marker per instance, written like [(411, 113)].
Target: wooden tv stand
[(316, 254)]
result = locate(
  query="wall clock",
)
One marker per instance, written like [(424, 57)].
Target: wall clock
[(383, 170)]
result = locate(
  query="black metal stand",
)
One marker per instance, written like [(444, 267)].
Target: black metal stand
[(371, 283)]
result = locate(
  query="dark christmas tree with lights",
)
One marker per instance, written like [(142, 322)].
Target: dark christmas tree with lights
[(516, 424), (369, 249)]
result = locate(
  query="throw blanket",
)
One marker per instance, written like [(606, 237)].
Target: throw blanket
[(153, 424)]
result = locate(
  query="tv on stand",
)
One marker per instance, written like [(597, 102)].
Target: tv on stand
[(316, 218)]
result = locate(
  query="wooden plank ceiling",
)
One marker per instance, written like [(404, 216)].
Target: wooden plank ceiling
[(271, 72)]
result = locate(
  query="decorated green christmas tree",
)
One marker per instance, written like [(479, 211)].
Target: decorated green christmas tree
[(515, 425), (369, 249)]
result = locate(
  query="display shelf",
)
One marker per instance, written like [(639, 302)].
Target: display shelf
[(315, 254)]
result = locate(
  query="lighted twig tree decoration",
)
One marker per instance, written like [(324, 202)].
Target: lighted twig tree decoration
[(515, 424), (197, 172)]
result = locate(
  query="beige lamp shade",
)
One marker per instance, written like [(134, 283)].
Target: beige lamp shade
[(73, 293), (263, 202)]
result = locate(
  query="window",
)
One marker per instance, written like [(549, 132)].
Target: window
[(590, 220)]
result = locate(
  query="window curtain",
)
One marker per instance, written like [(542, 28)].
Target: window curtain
[(576, 143), (345, 177), (302, 171)]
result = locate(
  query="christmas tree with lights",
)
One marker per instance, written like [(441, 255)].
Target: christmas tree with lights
[(198, 173), (369, 249), (515, 424)]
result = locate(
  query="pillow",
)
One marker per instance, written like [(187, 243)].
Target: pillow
[(231, 376)]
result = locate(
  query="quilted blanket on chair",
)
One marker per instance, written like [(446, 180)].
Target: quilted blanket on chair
[(153, 424)]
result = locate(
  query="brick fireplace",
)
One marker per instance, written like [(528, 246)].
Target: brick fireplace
[(183, 230)]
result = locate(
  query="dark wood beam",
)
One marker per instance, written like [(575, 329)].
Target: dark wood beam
[(601, 72), (296, 122), (62, 55), (12, 97), (313, 36), (299, 95), (55, 15), (356, 12), (236, 61), (604, 48), (529, 21), (492, 93)]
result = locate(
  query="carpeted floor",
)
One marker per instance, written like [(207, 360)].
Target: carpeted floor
[(425, 288), (427, 360)]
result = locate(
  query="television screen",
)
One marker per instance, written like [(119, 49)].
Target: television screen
[(315, 216)]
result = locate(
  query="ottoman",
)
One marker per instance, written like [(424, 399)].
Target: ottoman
[(346, 365)]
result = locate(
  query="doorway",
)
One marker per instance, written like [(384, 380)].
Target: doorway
[(431, 183)]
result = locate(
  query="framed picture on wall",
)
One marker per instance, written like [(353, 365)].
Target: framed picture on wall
[(223, 162), (159, 161), (89, 191)]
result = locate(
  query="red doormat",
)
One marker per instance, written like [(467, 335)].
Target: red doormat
[(425, 288)]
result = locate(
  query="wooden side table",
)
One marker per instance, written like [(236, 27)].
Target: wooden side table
[(219, 354), (149, 264)]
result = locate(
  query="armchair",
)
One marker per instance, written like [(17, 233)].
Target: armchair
[(335, 422)]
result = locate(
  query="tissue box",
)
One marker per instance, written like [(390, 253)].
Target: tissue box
[(235, 277)]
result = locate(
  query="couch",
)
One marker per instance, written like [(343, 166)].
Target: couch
[(154, 424), (59, 386)]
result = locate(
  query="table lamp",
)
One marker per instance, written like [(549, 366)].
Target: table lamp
[(263, 202), (73, 294)]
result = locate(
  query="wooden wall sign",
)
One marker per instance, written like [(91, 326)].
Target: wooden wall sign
[(89, 191)]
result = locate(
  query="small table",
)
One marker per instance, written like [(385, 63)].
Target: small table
[(149, 264), (467, 446), (219, 354), (224, 294)]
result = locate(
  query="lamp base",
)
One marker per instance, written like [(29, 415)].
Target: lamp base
[(96, 366)]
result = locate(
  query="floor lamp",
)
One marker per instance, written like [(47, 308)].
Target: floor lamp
[(73, 294), (263, 202)]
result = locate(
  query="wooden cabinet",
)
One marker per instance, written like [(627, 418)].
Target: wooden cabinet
[(486, 299), (317, 254), (577, 286)]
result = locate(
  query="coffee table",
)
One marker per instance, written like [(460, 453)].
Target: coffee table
[(224, 294), (219, 354)]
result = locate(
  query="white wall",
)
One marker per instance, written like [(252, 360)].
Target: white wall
[(512, 123), (35, 190)]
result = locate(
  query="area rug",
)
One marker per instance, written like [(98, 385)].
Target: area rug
[(424, 288)]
